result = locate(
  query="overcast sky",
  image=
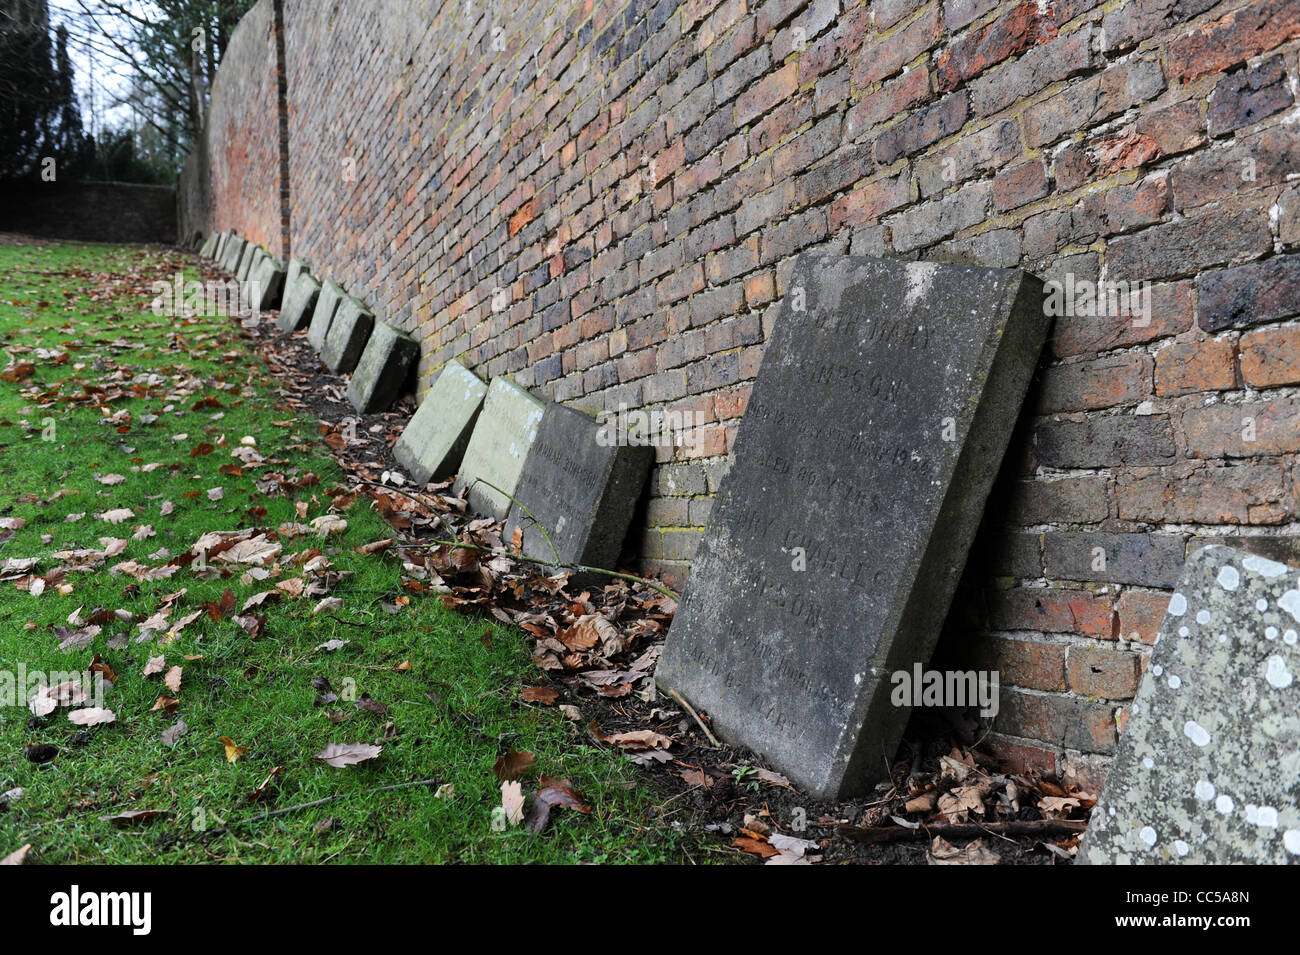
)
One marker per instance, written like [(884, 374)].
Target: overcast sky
[(102, 78)]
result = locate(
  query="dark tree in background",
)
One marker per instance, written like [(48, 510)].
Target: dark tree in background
[(39, 114), (163, 55)]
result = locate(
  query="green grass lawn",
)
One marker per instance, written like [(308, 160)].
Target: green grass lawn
[(80, 315)]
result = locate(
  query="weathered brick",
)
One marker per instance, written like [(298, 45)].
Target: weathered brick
[(1264, 159), (885, 57), (1185, 367), (892, 99), (1014, 32), (971, 154), (1171, 312), (1030, 664), (1215, 495), (1270, 357), (931, 221), (1249, 96), (1100, 672), (921, 128), (1249, 294), (1134, 21), (1089, 385), (766, 93), (1140, 614), (1093, 100), (1244, 430), (1105, 441), (1049, 610), (1075, 500), (1075, 723), (1146, 560), (1036, 70), (1233, 38), (868, 202), (1229, 232), (1019, 185)]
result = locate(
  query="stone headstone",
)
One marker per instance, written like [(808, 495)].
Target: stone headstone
[(327, 303), (209, 246), (347, 336), (498, 447), (266, 283), (219, 254), (580, 484), (296, 265), (433, 443), (382, 369), (246, 260), (1207, 767), (234, 253), (299, 302), (873, 432)]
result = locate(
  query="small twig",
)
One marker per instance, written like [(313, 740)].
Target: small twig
[(695, 716)]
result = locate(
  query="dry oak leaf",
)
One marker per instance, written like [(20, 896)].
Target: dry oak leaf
[(233, 752), (172, 734), (173, 679), (545, 695), (513, 763), (18, 856), (116, 515), (347, 754), (155, 665), (753, 846), (92, 716), (944, 853), (512, 801), (167, 704)]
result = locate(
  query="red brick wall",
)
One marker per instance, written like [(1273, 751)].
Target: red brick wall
[(603, 200), (243, 136)]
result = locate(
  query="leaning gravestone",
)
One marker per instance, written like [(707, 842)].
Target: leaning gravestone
[(873, 433), (580, 484), (296, 265), (327, 303), (382, 369), (234, 253), (265, 283), (433, 443), (209, 246), (246, 260), (347, 336), (299, 302), (498, 448), (219, 253), (1207, 766)]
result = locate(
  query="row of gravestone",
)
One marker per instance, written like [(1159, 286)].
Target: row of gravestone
[(339, 326), (568, 483), (870, 442)]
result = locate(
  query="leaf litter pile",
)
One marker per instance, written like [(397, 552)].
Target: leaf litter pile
[(593, 647)]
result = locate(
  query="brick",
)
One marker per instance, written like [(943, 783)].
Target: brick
[(1089, 385), (958, 13), (869, 202), (1216, 495), (1264, 159), (1016, 757), (1075, 500), (1172, 311), (1105, 441), (793, 234), (1231, 231), (1011, 34), (1068, 721), (1185, 367), (1036, 70), (1247, 97), (920, 128), (928, 223), (1134, 21), (1248, 429), (766, 93), (1140, 614), (892, 99), (1146, 560), (1249, 294), (1092, 101), (1234, 38), (1048, 610), (1270, 357), (884, 57), (1024, 663), (971, 154), (1100, 672), (1019, 185)]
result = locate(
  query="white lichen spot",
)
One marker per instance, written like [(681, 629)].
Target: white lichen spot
[(1252, 814), (1223, 638), (1183, 631), (1148, 762), (1181, 847), (1290, 602), (1229, 578), (1289, 637), (1177, 605), (1174, 681), (1261, 604), (1158, 670), (1266, 817), (1205, 790), (1291, 839), (1202, 616), (1270, 633), (1196, 733), (1147, 835), (1224, 805), (1263, 566), (1277, 674)]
